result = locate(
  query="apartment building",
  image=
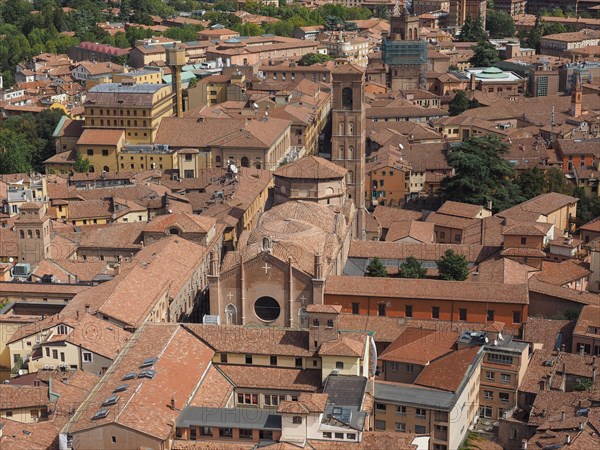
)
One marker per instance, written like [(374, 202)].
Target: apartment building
[(562, 43), (136, 109), (461, 9), (352, 49), (503, 368), (291, 71), (441, 404), (586, 335)]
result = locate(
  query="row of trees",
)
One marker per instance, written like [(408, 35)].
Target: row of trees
[(452, 267), (481, 175)]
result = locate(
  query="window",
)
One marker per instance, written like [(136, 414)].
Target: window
[(9, 413), (245, 434), (224, 357), (435, 312), (55, 354), (315, 323), (206, 431), (225, 432), (114, 439), (504, 396), (393, 366), (462, 314), (380, 406), (401, 410), (298, 362), (516, 316), (410, 368), (408, 311), (381, 309), (505, 378), (523, 241), (330, 323), (457, 238), (247, 399), (380, 425), (87, 357), (351, 436), (490, 375), (248, 359), (500, 359), (297, 420), (355, 308), (490, 315), (273, 360), (420, 412), (273, 400), (90, 152), (104, 152), (485, 411), (442, 235), (326, 435), (488, 395), (339, 365), (339, 435), (420, 429), (47, 352)]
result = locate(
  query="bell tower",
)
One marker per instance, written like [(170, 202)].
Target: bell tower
[(348, 121)]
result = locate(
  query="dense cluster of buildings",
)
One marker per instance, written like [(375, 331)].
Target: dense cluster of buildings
[(203, 282)]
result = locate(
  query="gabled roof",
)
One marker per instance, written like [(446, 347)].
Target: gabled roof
[(417, 346), (187, 223), (311, 167), (448, 372)]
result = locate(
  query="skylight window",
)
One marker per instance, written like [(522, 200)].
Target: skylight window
[(148, 373), (100, 414), (148, 362), (113, 399), (129, 376), (120, 388)]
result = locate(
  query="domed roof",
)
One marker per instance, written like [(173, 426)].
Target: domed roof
[(493, 73)]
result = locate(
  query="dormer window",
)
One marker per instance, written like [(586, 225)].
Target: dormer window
[(174, 231)]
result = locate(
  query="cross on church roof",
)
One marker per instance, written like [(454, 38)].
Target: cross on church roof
[(266, 267)]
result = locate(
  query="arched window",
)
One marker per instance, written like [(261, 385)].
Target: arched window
[(257, 165), (342, 128), (92, 169), (350, 177), (351, 129), (218, 161), (105, 169), (174, 231), (37, 234), (22, 234), (231, 314), (350, 152), (410, 34), (29, 234), (342, 152), (347, 98), (245, 162)]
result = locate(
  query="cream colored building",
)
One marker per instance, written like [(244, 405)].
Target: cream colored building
[(354, 50)]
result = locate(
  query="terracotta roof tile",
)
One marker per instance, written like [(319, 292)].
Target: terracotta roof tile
[(437, 375), (312, 167), (418, 346), (348, 344), (272, 378), (15, 397), (215, 390), (459, 209)]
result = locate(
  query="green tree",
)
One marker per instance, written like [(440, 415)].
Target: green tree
[(532, 182), (472, 30), (481, 175), (499, 24), (412, 268), (15, 152), (459, 104), (313, 58), (376, 269), (136, 33), (185, 33), (249, 29), (453, 267), (555, 181), (82, 164), (485, 55)]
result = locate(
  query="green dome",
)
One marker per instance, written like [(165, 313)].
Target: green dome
[(492, 73)]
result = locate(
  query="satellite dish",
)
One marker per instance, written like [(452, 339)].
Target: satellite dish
[(233, 168), (401, 146), (10, 260), (21, 372)]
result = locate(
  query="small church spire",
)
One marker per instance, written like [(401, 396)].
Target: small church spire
[(396, 12)]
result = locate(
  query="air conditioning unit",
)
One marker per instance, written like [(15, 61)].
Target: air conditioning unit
[(46, 367), (62, 365), (52, 367)]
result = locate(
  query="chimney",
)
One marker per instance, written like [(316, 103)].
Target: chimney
[(524, 444), (117, 269), (87, 308), (562, 416), (542, 385), (562, 347), (172, 405), (594, 374), (582, 350), (568, 440), (318, 266)]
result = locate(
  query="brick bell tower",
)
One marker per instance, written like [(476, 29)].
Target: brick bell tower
[(348, 134)]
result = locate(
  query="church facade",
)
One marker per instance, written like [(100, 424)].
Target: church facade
[(280, 267)]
